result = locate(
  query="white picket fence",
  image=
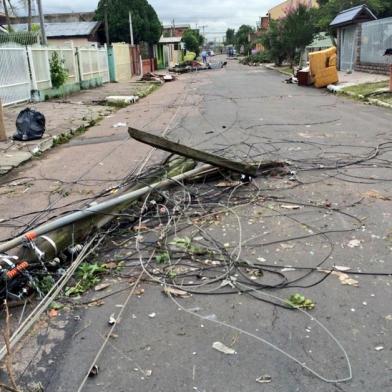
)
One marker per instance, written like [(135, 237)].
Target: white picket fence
[(15, 84), (23, 69), (94, 63), (39, 58)]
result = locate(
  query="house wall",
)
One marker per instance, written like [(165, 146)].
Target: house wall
[(176, 32), (60, 18), (122, 62), (279, 11), (67, 41)]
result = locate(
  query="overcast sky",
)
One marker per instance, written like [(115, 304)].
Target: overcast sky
[(218, 15)]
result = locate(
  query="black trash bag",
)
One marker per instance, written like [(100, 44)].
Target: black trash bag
[(30, 125)]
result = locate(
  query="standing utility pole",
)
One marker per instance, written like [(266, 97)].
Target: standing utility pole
[(7, 15), (204, 30), (42, 22), (131, 28), (3, 135), (106, 22), (29, 17)]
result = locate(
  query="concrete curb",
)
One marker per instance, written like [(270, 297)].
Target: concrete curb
[(272, 68), (373, 101)]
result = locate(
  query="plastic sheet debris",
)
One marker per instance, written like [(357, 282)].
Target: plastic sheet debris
[(112, 319), (354, 244), (290, 207), (265, 379), (94, 371), (30, 125), (126, 99), (120, 124), (218, 346)]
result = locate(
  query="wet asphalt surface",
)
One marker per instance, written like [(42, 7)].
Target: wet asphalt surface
[(247, 113)]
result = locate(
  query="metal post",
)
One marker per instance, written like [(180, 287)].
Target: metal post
[(131, 28), (106, 23), (390, 79), (3, 135), (42, 22)]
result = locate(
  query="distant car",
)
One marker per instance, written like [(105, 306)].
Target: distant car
[(211, 53)]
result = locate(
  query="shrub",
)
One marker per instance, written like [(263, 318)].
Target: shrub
[(258, 58), (58, 74)]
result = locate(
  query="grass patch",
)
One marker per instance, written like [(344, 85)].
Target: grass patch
[(149, 90), (366, 88), (285, 70), (387, 98)]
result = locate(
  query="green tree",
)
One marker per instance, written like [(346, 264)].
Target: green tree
[(273, 41), (286, 37), (242, 38), (192, 41), (146, 25), (330, 8), (299, 29), (230, 37)]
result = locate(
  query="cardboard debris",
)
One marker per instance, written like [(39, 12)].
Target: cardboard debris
[(372, 194), (102, 286), (218, 346), (345, 279), (170, 291)]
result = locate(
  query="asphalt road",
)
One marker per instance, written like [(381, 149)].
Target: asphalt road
[(340, 186)]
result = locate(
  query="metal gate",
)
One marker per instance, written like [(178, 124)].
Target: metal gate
[(347, 45), (15, 84), (94, 63)]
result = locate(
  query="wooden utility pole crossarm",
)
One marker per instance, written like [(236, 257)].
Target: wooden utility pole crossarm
[(200, 156), (3, 135)]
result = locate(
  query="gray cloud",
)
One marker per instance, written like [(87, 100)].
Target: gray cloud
[(218, 15)]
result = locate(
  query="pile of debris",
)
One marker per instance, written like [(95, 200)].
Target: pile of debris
[(158, 78), (195, 66)]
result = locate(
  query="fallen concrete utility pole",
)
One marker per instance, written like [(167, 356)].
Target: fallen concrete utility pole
[(101, 209), (201, 156)]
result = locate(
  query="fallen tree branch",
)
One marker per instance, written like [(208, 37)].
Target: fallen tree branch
[(8, 358)]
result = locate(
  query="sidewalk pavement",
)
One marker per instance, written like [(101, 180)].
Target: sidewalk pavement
[(71, 175), (64, 117), (354, 78)]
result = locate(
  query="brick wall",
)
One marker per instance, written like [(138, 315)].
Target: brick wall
[(148, 65), (381, 69)]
